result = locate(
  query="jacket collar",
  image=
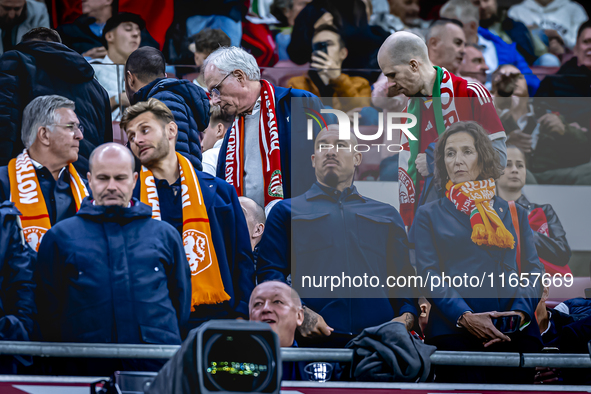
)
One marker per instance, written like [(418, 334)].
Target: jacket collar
[(523, 201), (499, 205), (143, 93), (119, 214), (319, 191), (281, 93)]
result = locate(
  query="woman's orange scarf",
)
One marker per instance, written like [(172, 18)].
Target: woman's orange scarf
[(472, 198)]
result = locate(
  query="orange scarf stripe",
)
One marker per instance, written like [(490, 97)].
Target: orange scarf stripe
[(206, 281), (26, 194)]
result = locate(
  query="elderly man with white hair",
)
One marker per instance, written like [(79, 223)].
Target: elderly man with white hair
[(258, 152), (41, 180)]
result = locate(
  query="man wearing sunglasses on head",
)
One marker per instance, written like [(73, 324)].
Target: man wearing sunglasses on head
[(262, 145), (41, 180)]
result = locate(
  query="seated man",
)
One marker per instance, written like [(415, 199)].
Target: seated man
[(327, 80), (276, 303), (41, 181), (446, 43), (474, 66), (558, 152), (204, 210), (122, 37), (212, 139), (204, 43), (17, 292), (333, 230), (111, 274)]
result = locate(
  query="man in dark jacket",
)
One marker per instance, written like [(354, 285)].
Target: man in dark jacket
[(335, 232), (17, 305), (111, 274), (145, 77), (205, 210), (38, 68)]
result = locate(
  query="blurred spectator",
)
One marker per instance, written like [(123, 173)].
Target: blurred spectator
[(145, 77), (573, 79), (404, 61), (255, 219), (286, 12), (86, 36), (493, 17), (563, 16), (17, 294), (446, 44), (549, 235), (401, 15), (450, 239), (473, 65), (204, 43), (494, 49), (558, 152), (17, 17), (51, 133), (576, 307), (332, 209), (226, 16), (127, 285), (349, 17), (213, 137), (327, 80), (122, 35), (202, 208), (40, 65), (234, 80)]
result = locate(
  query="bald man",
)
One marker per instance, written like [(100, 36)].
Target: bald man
[(255, 220), (111, 274), (404, 60), (332, 230)]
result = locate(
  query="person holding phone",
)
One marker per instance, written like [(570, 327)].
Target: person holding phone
[(326, 78), (470, 233)]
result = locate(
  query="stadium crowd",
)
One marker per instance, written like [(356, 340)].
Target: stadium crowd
[(154, 178)]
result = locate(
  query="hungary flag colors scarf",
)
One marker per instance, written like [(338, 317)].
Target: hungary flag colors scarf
[(25, 192), (206, 281), (268, 144), (473, 199)]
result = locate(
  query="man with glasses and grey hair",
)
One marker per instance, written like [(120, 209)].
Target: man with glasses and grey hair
[(263, 144), (41, 180)]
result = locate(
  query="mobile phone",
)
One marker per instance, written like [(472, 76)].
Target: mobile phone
[(321, 46), (507, 324)]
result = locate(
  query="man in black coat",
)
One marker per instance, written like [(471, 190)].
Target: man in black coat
[(40, 65), (111, 274), (145, 78)]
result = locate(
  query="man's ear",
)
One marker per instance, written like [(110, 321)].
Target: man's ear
[(357, 157), (414, 65), (313, 164), (220, 131), (259, 228), (240, 76), (110, 36), (43, 135), (433, 41), (300, 316), (173, 129), (343, 53)]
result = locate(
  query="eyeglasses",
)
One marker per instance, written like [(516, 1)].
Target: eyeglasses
[(71, 127), (215, 90)]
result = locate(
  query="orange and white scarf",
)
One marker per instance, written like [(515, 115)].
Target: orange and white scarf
[(473, 199), (269, 146), (26, 194), (206, 281)]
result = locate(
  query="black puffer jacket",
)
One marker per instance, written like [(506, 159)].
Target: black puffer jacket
[(38, 68)]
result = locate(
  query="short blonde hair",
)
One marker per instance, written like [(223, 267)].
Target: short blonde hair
[(155, 106)]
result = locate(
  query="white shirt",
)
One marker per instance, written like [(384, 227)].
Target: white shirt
[(112, 77), (209, 158), (489, 53)]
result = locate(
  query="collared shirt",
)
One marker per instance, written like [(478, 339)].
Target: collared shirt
[(209, 159), (171, 203), (57, 194)]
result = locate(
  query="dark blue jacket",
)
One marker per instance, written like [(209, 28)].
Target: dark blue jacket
[(443, 244), (508, 54), (294, 146), (334, 234), (17, 306), (231, 242), (189, 105), (38, 68), (112, 275)]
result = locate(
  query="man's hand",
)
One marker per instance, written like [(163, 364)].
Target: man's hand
[(480, 325), (547, 375), (552, 124), (325, 65), (421, 164), (96, 53), (407, 319), (521, 140), (314, 325), (325, 19)]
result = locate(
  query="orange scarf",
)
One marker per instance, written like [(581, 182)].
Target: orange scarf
[(472, 198), (25, 193), (206, 280)]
